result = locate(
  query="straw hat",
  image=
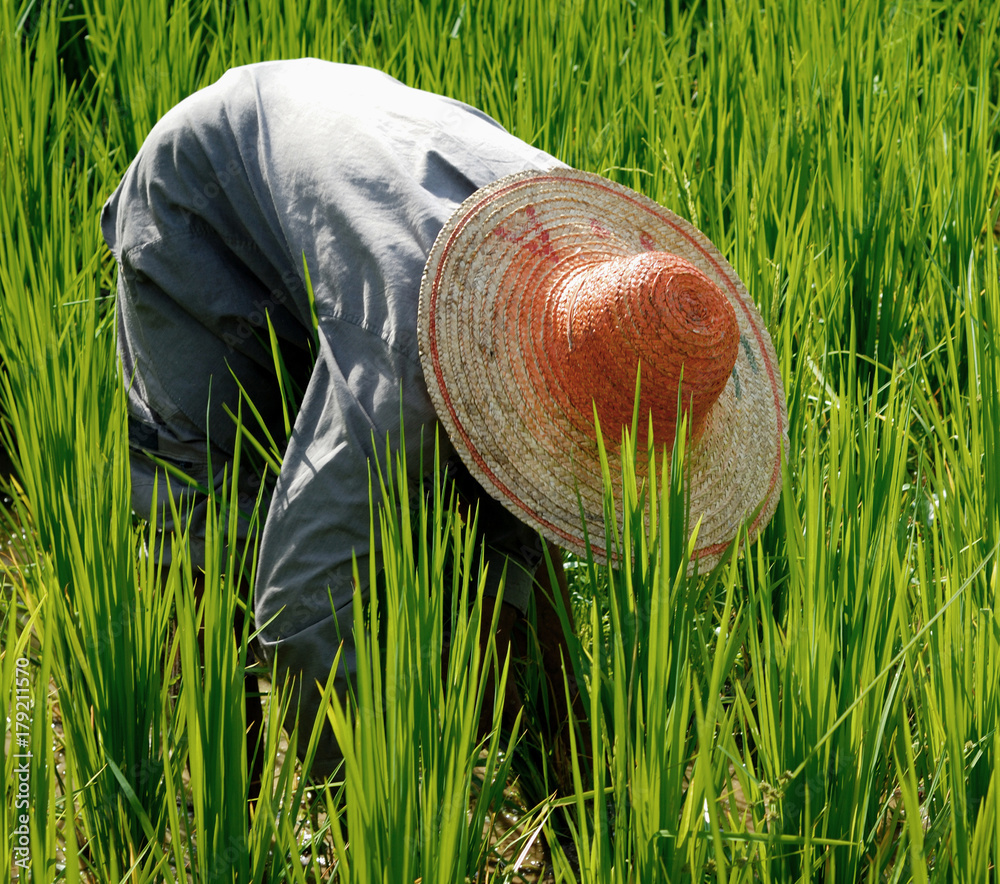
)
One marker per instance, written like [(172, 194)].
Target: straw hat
[(543, 294)]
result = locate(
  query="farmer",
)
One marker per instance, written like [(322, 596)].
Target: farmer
[(462, 279)]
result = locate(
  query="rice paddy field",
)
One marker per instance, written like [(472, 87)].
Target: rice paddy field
[(822, 707)]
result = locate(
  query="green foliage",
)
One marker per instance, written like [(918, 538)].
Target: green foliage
[(824, 706), (413, 764)]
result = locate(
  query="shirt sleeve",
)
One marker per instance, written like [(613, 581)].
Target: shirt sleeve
[(510, 547), (319, 516)]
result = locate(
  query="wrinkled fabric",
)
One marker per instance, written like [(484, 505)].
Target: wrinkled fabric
[(276, 168)]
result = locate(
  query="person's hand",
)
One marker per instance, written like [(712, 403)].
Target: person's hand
[(555, 659), (512, 703)]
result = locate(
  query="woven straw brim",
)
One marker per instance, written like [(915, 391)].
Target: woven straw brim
[(485, 367)]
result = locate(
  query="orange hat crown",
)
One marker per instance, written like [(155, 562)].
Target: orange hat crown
[(610, 316)]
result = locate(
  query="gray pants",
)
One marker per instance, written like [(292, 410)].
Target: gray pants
[(174, 469)]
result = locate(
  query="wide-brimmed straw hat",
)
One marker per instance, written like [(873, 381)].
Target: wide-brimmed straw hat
[(543, 295)]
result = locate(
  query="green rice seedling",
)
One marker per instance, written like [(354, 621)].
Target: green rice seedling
[(210, 703), (414, 805), (146, 58), (655, 679), (953, 760), (849, 571), (65, 412)]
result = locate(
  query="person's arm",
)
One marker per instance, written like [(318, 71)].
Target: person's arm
[(551, 641), (549, 629), (555, 659), (512, 704)]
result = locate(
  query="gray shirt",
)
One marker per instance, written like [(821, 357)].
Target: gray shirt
[(278, 166)]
